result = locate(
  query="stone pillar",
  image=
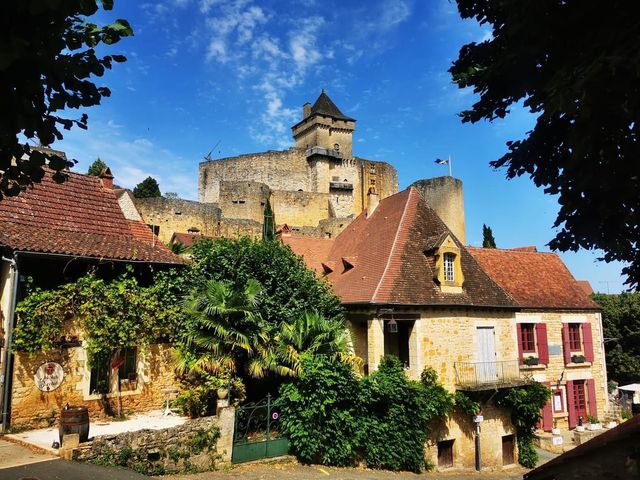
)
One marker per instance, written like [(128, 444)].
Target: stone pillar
[(415, 351), (226, 423), (375, 342)]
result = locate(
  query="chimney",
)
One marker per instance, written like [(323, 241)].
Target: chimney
[(372, 201), (106, 178), (306, 110)]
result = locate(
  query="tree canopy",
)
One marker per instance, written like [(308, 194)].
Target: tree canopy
[(487, 237), (47, 61), (621, 324), (574, 65), (96, 167), (148, 188)]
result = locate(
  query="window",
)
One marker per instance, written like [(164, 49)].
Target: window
[(99, 382), (575, 345), (372, 169), (527, 339), (449, 262), (129, 367), (445, 453), (126, 366), (558, 401)]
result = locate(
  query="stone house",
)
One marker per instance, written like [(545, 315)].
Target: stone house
[(54, 233), (559, 328), (412, 289)]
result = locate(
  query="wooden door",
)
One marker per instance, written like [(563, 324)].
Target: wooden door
[(508, 450), (487, 371), (580, 400)]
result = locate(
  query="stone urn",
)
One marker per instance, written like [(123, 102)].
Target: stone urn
[(223, 393)]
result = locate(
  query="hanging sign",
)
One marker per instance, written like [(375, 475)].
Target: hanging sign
[(49, 376)]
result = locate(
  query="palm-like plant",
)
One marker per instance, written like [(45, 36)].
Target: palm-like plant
[(225, 332), (314, 335)]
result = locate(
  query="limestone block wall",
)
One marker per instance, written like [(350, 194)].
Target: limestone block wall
[(381, 176), (30, 406), (243, 199), (178, 215), (237, 228), (299, 208), (325, 132), (280, 170), (183, 448), (128, 206), (556, 369)]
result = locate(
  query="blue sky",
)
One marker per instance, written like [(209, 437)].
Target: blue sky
[(237, 72)]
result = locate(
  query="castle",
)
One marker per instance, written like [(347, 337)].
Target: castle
[(316, 188)]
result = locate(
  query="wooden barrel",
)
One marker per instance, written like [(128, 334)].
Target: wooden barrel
[(74, 420)]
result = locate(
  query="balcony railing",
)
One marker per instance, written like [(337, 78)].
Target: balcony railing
[(327, 152), (488, 375)]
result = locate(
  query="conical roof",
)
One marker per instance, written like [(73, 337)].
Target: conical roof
[(325, 106)]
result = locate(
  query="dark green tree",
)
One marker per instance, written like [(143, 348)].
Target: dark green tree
[(487, 237), (573, 64), (148, 188), (96, 167), (47, 62), (269, 223), (621, 324)]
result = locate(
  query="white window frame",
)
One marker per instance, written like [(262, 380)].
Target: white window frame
[(449, 265)]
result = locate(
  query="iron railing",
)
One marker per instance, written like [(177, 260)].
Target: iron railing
[(328, 152), (488, 375), (340, 186)]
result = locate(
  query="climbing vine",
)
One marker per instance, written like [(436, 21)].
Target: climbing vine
[(108, 314), (525, 404)]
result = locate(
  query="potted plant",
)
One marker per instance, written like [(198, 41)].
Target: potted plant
[(531, 360), (578, 358), (594, 423)]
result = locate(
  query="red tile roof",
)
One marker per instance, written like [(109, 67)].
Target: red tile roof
[(187, 239), (387, 251), (534, 279), (313, 250), (78, 217)]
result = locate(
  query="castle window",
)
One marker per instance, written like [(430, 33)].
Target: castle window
[(373, 181), (372, 169), (336, 147), (241, 201), (449, 263)]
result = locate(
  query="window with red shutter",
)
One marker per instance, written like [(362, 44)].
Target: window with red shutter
[(575, 344), (527, 339)]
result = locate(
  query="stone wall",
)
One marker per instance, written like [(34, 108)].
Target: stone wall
[(299, 208), (178, 215), (245, 200), (238, 228), (197, 445), (445, 195), (30, 406)]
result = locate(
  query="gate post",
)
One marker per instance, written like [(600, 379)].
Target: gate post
[(227, 425)]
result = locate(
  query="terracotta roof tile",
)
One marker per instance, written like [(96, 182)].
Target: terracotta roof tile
[(534, 279), (79, 217), (313, 250)]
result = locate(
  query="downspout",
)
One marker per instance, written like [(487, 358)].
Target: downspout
[(7, 375)]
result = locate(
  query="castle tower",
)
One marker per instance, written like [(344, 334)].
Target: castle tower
[(445, 195), (323, 125)]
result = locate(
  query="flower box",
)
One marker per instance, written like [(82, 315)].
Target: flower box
[(577, 358), (531, 360)]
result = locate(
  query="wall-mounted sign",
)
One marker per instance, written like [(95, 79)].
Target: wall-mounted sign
[(49, 376)]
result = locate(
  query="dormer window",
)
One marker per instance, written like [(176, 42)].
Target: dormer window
[(449, 267)]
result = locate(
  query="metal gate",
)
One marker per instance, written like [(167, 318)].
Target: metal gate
[(256, 433)]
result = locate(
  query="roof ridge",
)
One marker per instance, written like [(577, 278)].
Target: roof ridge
[(511, 250), (393, 246)]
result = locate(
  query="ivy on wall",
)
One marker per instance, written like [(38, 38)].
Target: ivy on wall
[(109, 314)]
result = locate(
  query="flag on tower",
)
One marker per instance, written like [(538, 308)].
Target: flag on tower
[(439, 161)]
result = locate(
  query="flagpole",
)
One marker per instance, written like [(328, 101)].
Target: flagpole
[(450, 166)]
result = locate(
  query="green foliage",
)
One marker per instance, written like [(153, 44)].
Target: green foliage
[(319, 413), (466, 403), (48, 58), (289, 288), (198, 399), (148, 188), (113, 315), (333, 418), (269, 223), (621, 324), (487, 237), (96, 168), (526, 404), (584, 145), (171, 195)]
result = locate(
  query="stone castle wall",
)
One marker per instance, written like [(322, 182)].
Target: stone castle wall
[(243, 199), (445, 196), (299, 208), (177, 215)]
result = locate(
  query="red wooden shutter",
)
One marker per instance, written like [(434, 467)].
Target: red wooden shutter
[(519, 334), (565, 343), (591, 392), (571, 408), (587, 340), (543, 346), (547, 413)]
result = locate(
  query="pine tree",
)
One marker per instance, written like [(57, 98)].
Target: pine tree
[(269, 225), (148, 188), (96, 167), (487, 237)]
